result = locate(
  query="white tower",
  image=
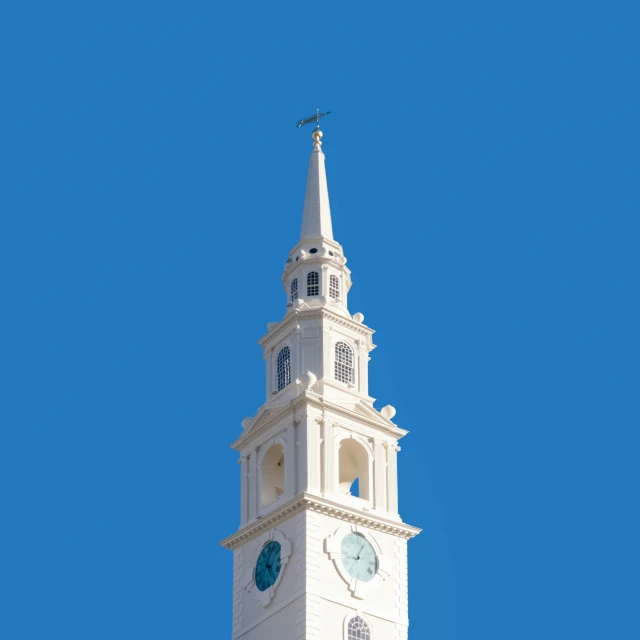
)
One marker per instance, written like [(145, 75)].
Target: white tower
[(321, 552)]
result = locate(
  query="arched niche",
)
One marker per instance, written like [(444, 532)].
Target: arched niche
[(353, 464), (272, 475)]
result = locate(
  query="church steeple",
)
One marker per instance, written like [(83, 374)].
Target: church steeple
[(316, 274), (321, 551), (316, 216)]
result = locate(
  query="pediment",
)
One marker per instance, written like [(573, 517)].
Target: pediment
[(267, 413), (367, 410), (271, 411), (263, 415)]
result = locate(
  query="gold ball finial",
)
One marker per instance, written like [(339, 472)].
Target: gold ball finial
[(316, 135)]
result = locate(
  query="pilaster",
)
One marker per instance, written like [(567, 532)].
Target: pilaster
[(244, 503), (379, 475), (326, 349), (401, 590), (290, 462), (313, 453), (301, 450), (330, 466), (392, 477), (253, 484), (363, 371), (324, 282)]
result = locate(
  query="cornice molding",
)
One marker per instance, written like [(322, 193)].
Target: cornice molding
[(306, 501), (321, 239), (310, 314), (326, 261)]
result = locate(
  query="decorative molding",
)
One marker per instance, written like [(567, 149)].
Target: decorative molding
[(344, 433), (309, 314), (259, 525), (333, 548), (265, 597), (306, 501)]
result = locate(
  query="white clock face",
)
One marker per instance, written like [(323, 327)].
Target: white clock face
[(358, 557)]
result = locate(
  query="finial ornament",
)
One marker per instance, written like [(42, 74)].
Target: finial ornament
[(317, 134)]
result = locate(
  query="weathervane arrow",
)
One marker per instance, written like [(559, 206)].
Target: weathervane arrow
[(315, 118)]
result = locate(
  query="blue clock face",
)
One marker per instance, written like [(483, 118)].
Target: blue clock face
[(268, 566), (358, 557)]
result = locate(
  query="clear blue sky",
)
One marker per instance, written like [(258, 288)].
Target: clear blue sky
[(483, 166)]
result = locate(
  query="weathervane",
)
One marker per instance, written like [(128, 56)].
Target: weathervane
[(315, 118)]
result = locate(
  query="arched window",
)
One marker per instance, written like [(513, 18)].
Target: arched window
[(343, 367), (313, 284), (358, 629), (284, 368), (294, 289), (272, 475), (334, 287), (353, 469)]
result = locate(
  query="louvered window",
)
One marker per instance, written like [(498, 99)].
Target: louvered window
[(313, 284), (334, 287), (284, 368), (343, 363), (294, 289)]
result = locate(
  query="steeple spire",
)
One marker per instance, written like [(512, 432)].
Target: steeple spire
[(316, 216)]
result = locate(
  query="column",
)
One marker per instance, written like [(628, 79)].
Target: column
[(392, 477), (324, 283), (312, 428), (329, 471), (268, 360), (379, 475), (290, 462), (253, 484), (363, 379), (301, 450), (244, 498), (327, 355)]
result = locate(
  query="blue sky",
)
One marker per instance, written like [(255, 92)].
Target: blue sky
[(482, 162)]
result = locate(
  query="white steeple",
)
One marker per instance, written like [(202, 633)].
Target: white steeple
[(316, 216), (321, 550), (315, 274)]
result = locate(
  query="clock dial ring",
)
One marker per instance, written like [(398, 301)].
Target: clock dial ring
[(358, 557), (268, 565)]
